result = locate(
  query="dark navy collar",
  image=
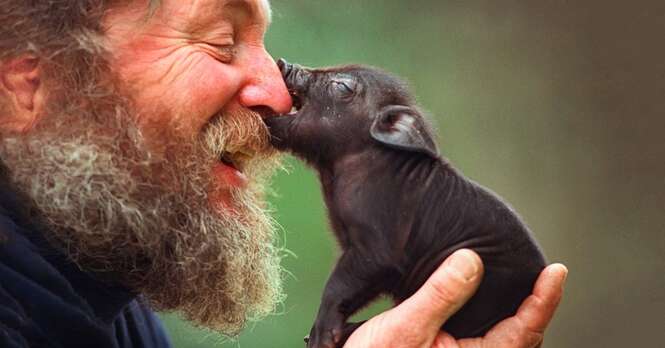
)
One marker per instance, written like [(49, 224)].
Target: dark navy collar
[(106, 300)]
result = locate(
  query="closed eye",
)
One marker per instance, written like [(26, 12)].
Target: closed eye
[(343, 88), (224, 53)]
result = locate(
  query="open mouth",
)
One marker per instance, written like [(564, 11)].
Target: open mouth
[(229, 170), (297, 103), (235, 160), (227, 160)]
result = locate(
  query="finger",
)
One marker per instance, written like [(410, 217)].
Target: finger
[(537, 310), (446, 290), (445, 340), (348, 330)]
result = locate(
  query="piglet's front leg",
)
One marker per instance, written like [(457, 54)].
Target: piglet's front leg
[(354, 282)]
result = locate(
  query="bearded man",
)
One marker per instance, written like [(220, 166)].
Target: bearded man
[(134, 161)]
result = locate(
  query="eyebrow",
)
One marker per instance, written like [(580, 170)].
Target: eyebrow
[(252, 9)]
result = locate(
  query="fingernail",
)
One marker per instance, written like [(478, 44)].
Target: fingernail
[(564, 269), (464, 262)]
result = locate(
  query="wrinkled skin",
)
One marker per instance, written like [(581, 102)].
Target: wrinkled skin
[(397, 208)]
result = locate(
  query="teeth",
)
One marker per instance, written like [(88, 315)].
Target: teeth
[(297, 103), (293, 110)]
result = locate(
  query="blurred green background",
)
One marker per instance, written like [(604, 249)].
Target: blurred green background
[(556, 105)]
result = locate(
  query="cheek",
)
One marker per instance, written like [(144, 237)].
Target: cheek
[(207, 85), (182, 87), (315, 128)]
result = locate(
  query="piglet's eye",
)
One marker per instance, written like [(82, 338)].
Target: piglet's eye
[(343, 89)]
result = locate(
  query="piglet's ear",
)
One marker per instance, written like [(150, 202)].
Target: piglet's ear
[(401, 127)]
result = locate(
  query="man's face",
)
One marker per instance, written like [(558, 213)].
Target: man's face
[(191, 60), (153, 175)]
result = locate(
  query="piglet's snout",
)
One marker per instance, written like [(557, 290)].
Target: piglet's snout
[(285, 67), (295, 76)]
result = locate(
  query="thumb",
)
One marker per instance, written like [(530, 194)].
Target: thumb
[(445, 292)]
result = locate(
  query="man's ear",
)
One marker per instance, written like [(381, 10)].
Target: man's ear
[(20, 83), (403, 128)]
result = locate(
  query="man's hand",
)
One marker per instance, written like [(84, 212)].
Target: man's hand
[(416, 322)]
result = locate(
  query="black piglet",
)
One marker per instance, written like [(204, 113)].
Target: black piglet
[(397, 208)]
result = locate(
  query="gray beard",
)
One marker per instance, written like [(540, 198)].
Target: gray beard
[(145, 221)]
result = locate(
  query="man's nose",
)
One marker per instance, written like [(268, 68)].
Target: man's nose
[(265, 87)]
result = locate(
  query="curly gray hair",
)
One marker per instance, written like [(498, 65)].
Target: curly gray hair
[(51, 27), (58, 30), (65, 34)]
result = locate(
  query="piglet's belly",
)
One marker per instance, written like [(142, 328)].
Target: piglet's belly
[(500, 294), (508, 280)]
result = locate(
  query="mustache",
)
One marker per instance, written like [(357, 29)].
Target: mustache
[(241, 132)]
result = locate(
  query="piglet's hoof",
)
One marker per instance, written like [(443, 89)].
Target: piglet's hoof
[(306, 339)]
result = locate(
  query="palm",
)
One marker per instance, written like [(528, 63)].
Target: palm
[(407, 327)]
